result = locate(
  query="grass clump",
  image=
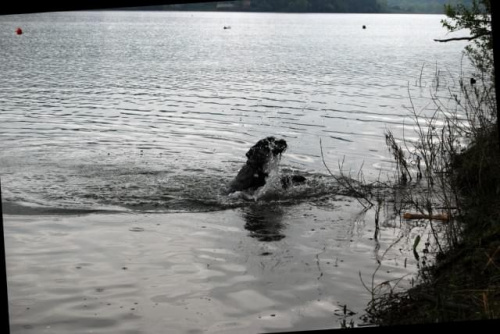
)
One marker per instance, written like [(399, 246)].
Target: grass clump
[(463, 283), (457, 171)]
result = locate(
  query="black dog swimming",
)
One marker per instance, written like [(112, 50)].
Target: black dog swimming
[(254, 173)]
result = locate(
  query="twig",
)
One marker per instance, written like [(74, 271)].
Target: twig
[(344, 181), (470, 38)]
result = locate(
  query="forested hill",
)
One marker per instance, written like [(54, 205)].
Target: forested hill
[(328, 6), (417, 6), (319, 6)]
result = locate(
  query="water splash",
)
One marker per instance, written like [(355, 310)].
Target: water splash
[(154, 183)]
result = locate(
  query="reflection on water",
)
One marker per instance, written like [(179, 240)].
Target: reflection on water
[(265, 222), (195, 272), (198, 271)]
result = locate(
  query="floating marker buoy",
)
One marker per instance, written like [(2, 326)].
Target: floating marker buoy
[(364, 27), (19, 31)]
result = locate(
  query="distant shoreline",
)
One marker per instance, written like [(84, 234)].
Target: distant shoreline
[(144, 9)]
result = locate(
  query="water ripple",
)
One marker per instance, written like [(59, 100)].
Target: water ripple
[(166, 105)]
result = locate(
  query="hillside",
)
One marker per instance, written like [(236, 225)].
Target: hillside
[(319, 6), (417, 6)]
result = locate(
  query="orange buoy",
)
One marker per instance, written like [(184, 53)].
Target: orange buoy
[(19, 31)]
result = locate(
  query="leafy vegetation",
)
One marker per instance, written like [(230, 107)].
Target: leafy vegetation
[(477, 19)]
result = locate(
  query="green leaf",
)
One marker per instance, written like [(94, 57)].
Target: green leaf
[(415, 245)]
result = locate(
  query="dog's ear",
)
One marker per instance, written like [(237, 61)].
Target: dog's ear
[(259, 149), (251, 152), (265, 143), (258, 154)]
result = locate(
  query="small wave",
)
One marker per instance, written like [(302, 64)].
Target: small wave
[(151, 191), (20, 208)]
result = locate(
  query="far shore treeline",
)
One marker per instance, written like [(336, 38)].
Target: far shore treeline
[(316, 6)]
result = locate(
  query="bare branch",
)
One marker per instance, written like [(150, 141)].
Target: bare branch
[(470, 38)]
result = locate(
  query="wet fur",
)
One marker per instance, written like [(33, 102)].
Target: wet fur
[(253, 174)]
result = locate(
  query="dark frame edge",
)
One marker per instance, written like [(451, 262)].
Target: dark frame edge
[(21, 7), (3, 273), (496, 57), (51, 6)]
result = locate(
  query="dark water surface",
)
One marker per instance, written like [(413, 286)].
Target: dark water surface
[(119, 132), (257, 269)]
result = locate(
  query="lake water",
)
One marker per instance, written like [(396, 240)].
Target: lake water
[(150, 114)]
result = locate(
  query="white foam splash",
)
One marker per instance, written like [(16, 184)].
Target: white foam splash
[(273, 182)]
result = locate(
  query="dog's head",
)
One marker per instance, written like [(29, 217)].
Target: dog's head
[(264, 150)]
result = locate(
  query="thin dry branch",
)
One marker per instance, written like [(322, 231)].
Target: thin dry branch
[(346, 182), (469, 38)]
